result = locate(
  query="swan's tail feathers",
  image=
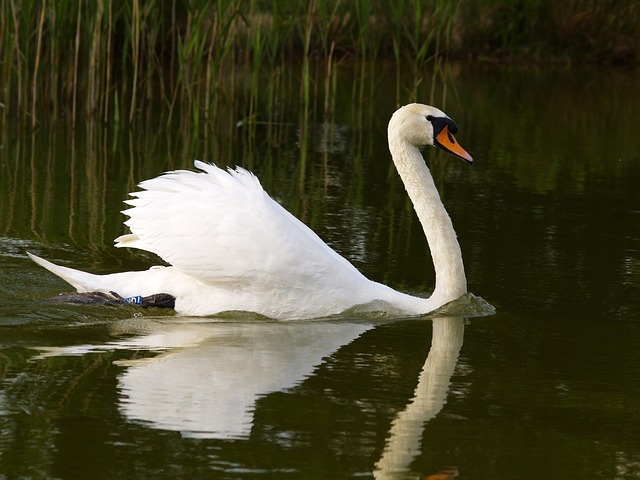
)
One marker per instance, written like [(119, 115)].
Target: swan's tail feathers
[(129, 240), (81, 281)]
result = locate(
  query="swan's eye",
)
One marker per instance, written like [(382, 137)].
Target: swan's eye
[(429, 117)]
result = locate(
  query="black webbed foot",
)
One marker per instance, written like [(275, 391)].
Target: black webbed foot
[(161, 300)]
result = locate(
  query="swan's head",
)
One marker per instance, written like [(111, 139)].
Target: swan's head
[(421, 125)]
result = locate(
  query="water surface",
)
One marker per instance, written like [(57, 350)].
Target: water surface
[(549, 223)]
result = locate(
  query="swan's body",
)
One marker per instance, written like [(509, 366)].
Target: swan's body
[(233, 248)]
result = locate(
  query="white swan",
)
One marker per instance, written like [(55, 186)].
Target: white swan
[(233, 248)]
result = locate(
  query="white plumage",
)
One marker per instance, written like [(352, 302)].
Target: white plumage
[(231, 247)]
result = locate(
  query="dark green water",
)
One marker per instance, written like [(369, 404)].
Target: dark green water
[(549, 223)]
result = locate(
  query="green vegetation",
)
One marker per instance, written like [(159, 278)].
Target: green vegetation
[(112, 60)]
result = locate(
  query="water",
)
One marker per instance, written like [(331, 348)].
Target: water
[(549, 223)]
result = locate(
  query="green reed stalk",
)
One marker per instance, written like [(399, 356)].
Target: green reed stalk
[(209, 75), (187, 51), (18, 55), (95, 66), (108, 65), (329, 82), (75, 64), (257, 62), (34, 95), (135, 55), (7, 54), (306, 76)]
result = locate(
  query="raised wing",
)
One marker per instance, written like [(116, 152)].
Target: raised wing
[(220, 226)]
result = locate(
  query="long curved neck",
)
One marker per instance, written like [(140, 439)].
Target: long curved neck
[(451, 282)]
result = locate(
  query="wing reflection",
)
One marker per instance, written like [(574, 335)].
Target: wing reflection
[(209, 390), (404, 440), (208, 377)]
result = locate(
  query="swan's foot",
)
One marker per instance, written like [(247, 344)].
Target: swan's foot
[(159, 300)]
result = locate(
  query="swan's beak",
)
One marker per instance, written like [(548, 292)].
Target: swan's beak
[(447, 142)]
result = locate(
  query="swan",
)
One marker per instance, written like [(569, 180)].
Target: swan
[(231, 247)]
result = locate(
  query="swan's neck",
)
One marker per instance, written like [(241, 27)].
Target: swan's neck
[(451, 282)]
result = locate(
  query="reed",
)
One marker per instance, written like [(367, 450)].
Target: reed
[(100, 59)]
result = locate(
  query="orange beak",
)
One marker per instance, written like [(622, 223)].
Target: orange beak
[(447, 142)]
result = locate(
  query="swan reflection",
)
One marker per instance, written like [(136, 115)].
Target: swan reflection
[(205, 378), (208, 376), (403, 442)]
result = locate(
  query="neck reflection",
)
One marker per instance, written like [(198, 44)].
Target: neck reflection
[(403, 442)]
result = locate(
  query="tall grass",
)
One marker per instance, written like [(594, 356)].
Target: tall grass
[(113, 60)]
